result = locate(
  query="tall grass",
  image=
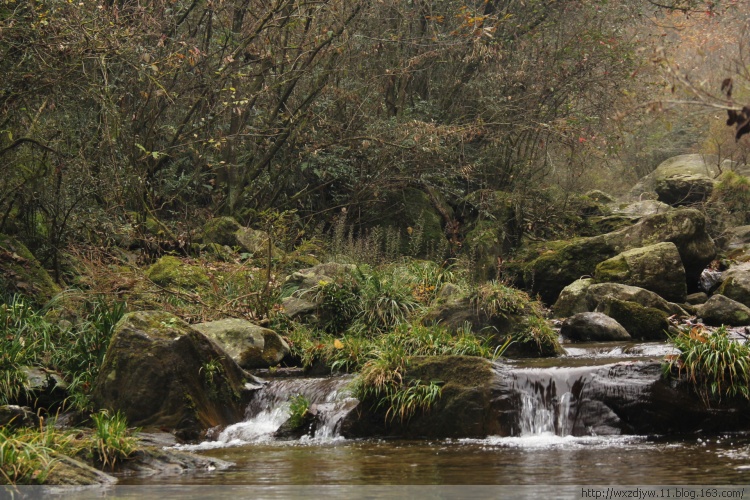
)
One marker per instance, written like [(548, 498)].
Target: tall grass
[(112, 440)]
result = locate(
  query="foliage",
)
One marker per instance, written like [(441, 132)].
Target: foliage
[(338, 304), (29, 339), (387, 299), (496, 299), (111, 440), (298, 406), (27, 455), (715, 364), (538, 332)]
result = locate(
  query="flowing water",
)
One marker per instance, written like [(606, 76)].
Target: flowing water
[(550, 444)]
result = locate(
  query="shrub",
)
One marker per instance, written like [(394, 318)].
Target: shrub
[(716, 365), (27, 455)]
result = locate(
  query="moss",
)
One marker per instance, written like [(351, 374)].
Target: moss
[(641, 322), (171, 271), (21, 273), (221, 231), (614, 270)]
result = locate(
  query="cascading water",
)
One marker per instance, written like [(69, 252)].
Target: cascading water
[(270, 408), (549, 399)]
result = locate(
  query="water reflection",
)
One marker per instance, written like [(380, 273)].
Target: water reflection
[(542, 459)]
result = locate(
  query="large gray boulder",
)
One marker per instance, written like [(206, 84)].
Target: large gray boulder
[(656, 267), (572, 299), (250, 345), (593, 326), (720, 310), (161, 372)]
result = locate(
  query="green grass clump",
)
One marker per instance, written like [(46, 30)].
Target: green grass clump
[(298, 406), (716, 365), (28, 455), (111, 440)]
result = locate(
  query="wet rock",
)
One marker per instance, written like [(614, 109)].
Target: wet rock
[(160, 372), (68, 471), (593, 326), (250, 345), (655, 267), (586, 296), (572, 299), (720, 310)]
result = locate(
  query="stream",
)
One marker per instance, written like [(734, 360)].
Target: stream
[(552, 440)]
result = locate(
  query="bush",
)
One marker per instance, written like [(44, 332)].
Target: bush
[(298, 406), (716, 365)]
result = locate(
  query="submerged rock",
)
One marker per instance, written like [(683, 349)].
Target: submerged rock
[(160, 372)]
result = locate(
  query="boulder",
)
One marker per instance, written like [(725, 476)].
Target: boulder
[(169, 271), (593, 326), (463, 410), (642, 323), (656, 267), (720, 310), (684, 189), (708, 166), (161, 372), (735, 283), (250, 345), (697, 298), (642, 208), (600, 292), (304, 279), (458, 312), (572, 299), (226, 231), (554, 265), (21, 273)]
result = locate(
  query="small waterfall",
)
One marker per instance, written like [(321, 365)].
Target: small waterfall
[(329, 399), (549, 399)]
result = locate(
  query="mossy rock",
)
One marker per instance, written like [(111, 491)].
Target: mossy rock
[(170, 271), (549, 267), (735, 283), (642, 323), (463, 410), (220, 230), (250, 345), (160, 372), (720, 310), (572, 299), (21, 273), (656, 267)]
